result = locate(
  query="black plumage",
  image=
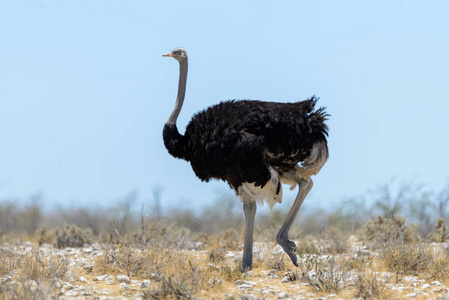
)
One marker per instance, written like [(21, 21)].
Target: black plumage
[(253, 145), (236, 141)]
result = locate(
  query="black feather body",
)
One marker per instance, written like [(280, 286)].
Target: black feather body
[(237, 141)]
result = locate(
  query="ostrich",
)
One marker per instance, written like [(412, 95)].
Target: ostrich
[(254, 146)]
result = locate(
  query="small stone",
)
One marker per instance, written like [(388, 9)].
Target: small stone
[(109, 282), (82, 279), (425, 286), (56, 282), (145, 284), (409, 278), (437, 283), (6, 279), (71, 293), (123, 278), (243, 282), (123, 285), (101, 278), (249, 297), (282, 295), (88, 250), (135, 282), (266, 291), (412, 295)]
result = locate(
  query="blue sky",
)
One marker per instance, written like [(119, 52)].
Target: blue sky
[(84, 91)]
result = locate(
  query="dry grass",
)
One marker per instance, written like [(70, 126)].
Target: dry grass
[(370, 285), (187, 256), (36, 275)]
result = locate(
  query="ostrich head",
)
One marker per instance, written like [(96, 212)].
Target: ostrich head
[(179, 54)]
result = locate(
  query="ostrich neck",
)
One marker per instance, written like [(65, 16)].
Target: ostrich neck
[(181, 93)]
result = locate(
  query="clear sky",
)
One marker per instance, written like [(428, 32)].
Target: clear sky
[(85, 92)]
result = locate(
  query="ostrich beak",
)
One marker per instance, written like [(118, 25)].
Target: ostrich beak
[(168, 55)]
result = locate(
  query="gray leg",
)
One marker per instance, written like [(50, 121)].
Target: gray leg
[(282, 237), (250, 212)]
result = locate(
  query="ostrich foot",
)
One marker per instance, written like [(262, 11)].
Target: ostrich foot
[(289, 248), (246, 265)]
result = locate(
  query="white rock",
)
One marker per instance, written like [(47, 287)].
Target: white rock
[(56, 282), (71, 293), (249, 297), (411, 295), (101, 278), (243, 282), (437, 283), (409, 278), (82, 279), (425, 286), (245, 287), (123, 278), (282, 295), (123, 285), (109, 282), (145, 284)]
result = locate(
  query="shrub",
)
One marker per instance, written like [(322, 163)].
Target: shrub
[(73, 237)]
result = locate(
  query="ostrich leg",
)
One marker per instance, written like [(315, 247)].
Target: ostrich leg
[(282, 237), (249, 207)]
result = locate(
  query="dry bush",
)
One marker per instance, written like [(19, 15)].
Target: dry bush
[(34, 273), (217, 255), (276, 262), (46, 237), (73, 237), (439, 266), (359, 261), (308, 245), (382, 230), (370, 286), (10, 260), (224, 241), (38, 266), (336, 241), (407, 259), (231, 274), (326, 274), (441, 235), (26, 290), (175, 273)]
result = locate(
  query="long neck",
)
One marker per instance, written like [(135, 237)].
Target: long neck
[(183, 65)]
